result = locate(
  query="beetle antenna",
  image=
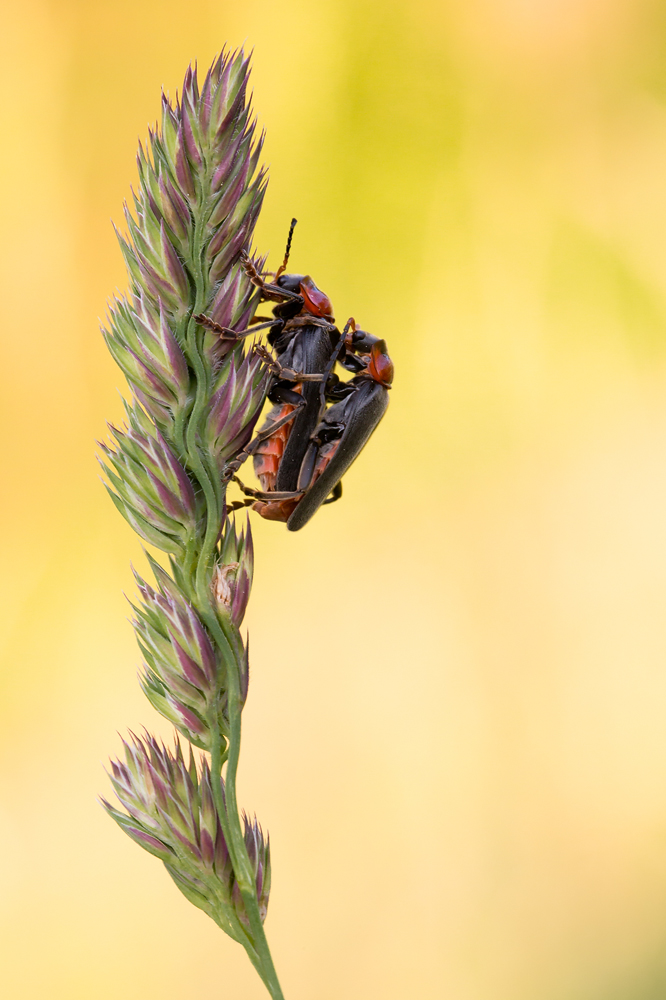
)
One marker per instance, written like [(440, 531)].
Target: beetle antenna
[(283, 266)]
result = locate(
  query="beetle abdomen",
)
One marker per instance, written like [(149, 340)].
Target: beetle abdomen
[(269, 454)]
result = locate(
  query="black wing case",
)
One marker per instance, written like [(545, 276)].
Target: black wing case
[(360, 413), (309, 352)]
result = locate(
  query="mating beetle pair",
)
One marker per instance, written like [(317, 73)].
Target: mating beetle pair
[(304, 448)]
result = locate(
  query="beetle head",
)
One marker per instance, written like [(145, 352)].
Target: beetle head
[(360, 341), (380, 366), (316, 302), (292, 282)]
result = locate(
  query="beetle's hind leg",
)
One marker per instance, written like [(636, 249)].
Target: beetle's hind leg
[(234, 465), (249, 491), (335, 494), (238, 505), (226, 333)]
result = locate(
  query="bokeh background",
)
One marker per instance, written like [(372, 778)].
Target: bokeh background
[(456, 731)]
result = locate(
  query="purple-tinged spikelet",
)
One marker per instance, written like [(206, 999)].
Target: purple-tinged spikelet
[(184, 676), (198, 199), (230, 307), (232, 578), (152, 489), (259, 852), (170, 812), (200, 165), (236, 401), (145, 347)]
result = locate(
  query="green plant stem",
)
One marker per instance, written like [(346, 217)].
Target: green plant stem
[(179, 430), (207, 476), (257, 947), (247, 886), (230, 818), (237, 932)]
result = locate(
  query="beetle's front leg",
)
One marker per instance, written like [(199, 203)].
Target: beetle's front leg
[(274, 293), (226, 333)]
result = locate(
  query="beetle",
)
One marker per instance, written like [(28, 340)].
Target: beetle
[(341, 433), (304, 337), (307, 345)]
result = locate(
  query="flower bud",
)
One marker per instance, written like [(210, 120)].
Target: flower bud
[(259, 854), (232, 578)]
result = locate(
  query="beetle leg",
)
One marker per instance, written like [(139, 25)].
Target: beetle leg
[(331, 365), (282, 373), (242, 456), (284, 392), (227, 334), (274, 292), (267, 495), (353, 363), (341, 390), (336, 493), (238, 505), (289, 375), (264, 325)]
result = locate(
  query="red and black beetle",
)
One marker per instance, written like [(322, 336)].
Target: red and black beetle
[(303, 449), (340, 435), (304, 338)]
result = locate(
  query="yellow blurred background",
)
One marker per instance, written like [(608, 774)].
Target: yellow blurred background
[(456, 731)]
